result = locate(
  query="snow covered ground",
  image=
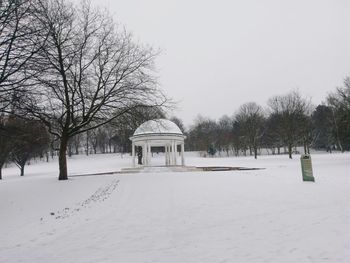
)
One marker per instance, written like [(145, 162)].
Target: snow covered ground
[(265, 215)]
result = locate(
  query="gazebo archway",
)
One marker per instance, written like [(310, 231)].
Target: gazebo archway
[(158, 133)]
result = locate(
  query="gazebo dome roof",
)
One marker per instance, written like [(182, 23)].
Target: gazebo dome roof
[(158, 126)]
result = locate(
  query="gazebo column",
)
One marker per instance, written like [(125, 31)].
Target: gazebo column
[(183, 154), (149, 153), (173, 153), (144, 154), (133, 153), (166, 150), (169, 154)]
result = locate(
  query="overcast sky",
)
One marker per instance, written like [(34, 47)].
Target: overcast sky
[(217, 55)]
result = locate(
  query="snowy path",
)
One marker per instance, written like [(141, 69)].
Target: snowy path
[(251, 216)]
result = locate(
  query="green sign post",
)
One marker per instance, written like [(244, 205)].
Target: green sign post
[(306, 168)]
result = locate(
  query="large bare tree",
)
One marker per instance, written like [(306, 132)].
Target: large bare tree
[(91, 72)]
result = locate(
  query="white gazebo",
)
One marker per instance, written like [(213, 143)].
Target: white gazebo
[(158, 133)]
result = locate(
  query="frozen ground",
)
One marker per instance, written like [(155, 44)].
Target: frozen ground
[(238, 216)]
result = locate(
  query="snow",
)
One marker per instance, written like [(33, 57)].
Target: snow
[(267, 215), (157, 126)]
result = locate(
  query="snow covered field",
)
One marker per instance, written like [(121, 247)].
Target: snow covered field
[(236, 216)]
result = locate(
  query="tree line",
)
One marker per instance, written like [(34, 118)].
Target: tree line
[(288, 121)]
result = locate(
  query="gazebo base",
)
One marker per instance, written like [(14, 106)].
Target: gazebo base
[(161, 169)]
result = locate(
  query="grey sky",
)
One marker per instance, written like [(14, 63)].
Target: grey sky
[(219, 54)]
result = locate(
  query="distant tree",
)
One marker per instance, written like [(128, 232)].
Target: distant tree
[(289, 112), (102, 139), (76, 141), (110, 132), (272, 136), (93, 139), (251, 119), (202, 134), (179, 123), (339, 101), (238, 144), (125, 126), (323, 133), (30, 139), (224, 141)]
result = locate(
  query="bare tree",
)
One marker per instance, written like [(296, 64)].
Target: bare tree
[(272, 137), (225, 128), (202, 135), (290, 111), (91, 72), (76, 141), (126, 124), (323, 136), (339, 102), (250, 117), (179, 123)]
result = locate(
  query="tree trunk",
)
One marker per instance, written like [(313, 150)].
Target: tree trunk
[(255, 152), (70, 151), (22, 169), (87, 143), (290, 150), (339, 145), (62, 159), (1, 164)]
